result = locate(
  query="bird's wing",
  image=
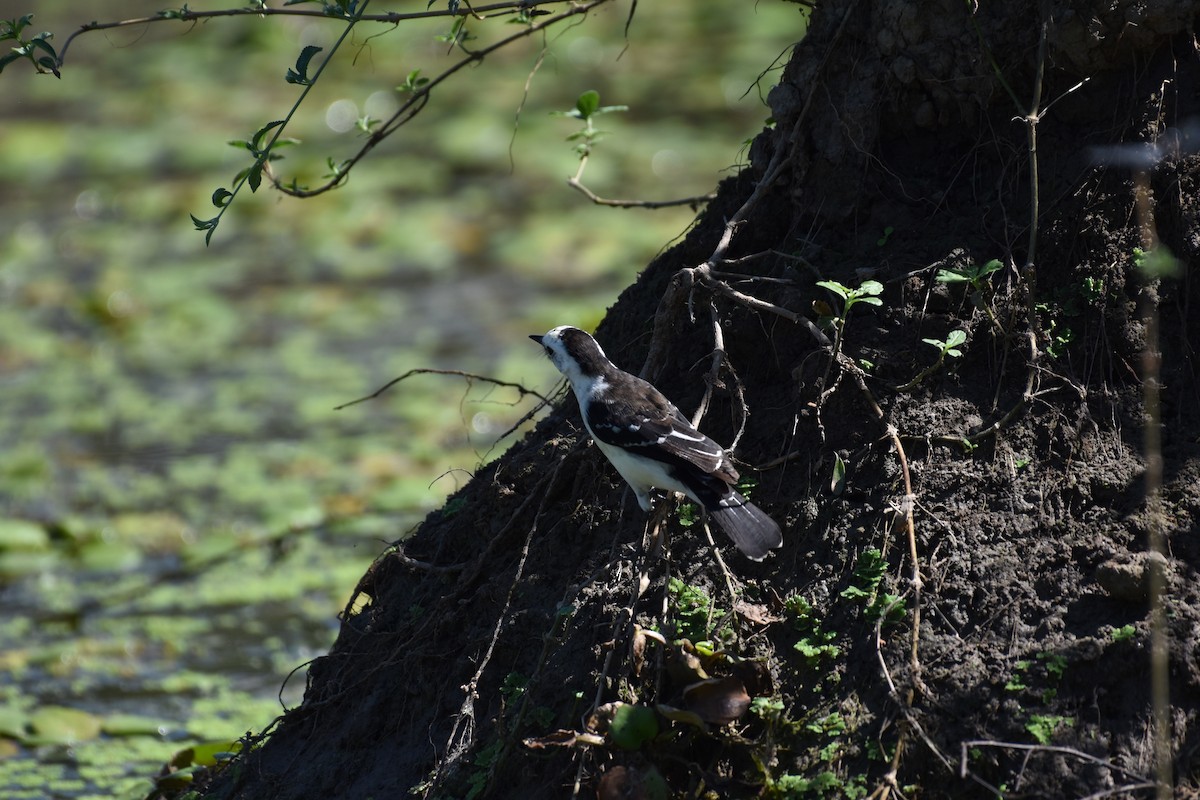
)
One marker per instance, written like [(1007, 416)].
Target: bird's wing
[(647, 423)]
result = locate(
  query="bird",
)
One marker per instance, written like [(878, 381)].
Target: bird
[(651, 444)]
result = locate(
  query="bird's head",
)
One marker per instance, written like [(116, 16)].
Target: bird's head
[(573, 352)]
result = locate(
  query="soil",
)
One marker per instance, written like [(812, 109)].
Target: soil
[(482, 657)]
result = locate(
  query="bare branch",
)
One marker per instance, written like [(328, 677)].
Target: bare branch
[(575, 183), (391, 17), (470, 376)]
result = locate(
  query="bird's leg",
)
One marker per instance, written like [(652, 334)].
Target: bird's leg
[(656, 532), (729, 580)]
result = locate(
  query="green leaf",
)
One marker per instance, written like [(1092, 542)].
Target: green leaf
[(950, 276), (853, 593), (254, 177), (990, 267), (40, 42), (208, 225), (632, 726), (956, 337), (587, 103), (871, 301), (835, 287), (221, 197), (256, 141), (412, 82), (299, 75), (838, 484), (12, 27), (870, 288)]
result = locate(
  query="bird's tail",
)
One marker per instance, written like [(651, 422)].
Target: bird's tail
[(754, 533)]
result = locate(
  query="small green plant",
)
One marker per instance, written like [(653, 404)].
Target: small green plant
[(692, 610), (1058, 333), (481, 768), (1017, 682), (1055, 664), (868, 575), (1156, 263), (1122, 634), (1060, 337), (1053, 667), (587, 108), (514, 686), (868, 292), (978, 277), (1043, 726), (814, 643), (829, 725), (949, 347), (974, 274), (887, 234), (823, 784), (767, 709), (1093, 290), (773, 712)]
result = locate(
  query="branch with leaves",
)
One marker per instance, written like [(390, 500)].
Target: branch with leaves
[(265, 143), (587, 108)]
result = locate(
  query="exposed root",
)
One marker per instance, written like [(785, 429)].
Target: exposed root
[(462, 733), (1139, 781)]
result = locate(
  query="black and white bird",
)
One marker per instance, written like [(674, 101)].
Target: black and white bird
[(652, 445)]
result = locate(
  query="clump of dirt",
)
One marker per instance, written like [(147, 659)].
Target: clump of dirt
[(528, 642)]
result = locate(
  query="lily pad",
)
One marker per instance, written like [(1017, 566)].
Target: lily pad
[(13, 722), (133, 725), (114, 556), (21, 534), (17, 563), (62, 725)]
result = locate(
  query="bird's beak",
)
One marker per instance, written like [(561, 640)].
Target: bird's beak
[(536, 337)]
